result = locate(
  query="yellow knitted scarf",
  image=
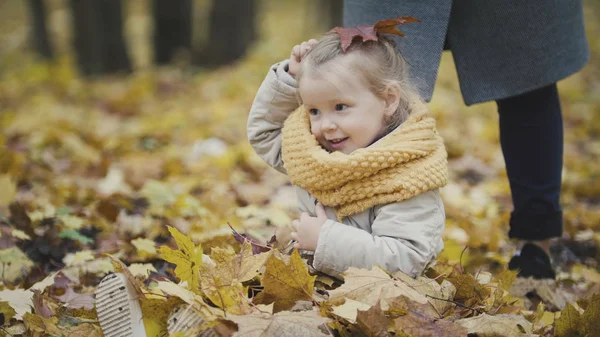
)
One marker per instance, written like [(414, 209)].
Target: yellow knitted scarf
[(405, 163)]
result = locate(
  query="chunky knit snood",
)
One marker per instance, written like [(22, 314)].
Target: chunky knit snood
[(408, 161)]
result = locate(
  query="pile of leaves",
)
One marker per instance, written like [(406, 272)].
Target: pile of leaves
[(100, 176)]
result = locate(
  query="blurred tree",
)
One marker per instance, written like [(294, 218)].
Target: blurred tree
[(327, 13), (172, 28), (39, 33), (231, 31), (99, 43)]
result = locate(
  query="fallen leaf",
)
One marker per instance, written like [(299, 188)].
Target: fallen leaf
[(14, 263), (590, 317), (285, 323), (349, 309), (370, 286), (39, 307), (144, 246), (79, 258), (188, 258), (141, 269), (7, 311), (73, 300), (569, 323), (439, 295), (286, 284), (20, 300), (41, 324), (486, 325), (421, 320), (373, 321), (8, 190)]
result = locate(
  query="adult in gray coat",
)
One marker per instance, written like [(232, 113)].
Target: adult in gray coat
[(513, 53)]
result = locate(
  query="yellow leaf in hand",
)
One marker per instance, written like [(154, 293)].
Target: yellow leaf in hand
[(188, 258)]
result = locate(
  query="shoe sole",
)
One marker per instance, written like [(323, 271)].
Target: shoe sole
[(118, 308), (188, 320)]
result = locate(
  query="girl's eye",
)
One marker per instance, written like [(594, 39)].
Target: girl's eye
[(313, 112), (340, 107)]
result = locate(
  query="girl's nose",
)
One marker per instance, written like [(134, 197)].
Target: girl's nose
[(327, 124)]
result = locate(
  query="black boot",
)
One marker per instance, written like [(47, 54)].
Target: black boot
[(532, 262)]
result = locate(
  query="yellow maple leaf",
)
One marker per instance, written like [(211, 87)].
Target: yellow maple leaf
[(222, 283), (188, 258), (286, 284)]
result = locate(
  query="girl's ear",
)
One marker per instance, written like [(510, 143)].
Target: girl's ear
[(392, 97)]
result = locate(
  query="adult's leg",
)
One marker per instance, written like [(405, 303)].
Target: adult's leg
[(531, 136)]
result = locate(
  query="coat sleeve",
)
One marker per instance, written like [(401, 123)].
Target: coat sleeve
[(405, 236), (275, 100)]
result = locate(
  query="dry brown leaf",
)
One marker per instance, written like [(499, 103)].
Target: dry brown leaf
[(422, 320), (349, 309), (286, 284), (370, 286), (432, 290), (73, 300), (285, 323), (486, 325), (373, 322)]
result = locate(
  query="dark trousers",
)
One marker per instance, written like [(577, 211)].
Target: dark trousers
[(531, 136)]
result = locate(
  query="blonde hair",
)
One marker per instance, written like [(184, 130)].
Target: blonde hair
[(381, 65)]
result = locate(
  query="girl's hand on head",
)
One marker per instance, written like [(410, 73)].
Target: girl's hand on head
[(307, 229), (298, 53)]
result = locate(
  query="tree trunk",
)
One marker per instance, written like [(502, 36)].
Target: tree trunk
[(172, 28), (231, 31), (39, 34), (336, 13), (327, 14), (99, 42)]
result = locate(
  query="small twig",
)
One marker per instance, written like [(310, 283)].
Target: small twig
[(254, 305), (462, 269), (446, 300)]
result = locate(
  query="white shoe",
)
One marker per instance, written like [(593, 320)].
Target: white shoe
[(185, 318), (118, 308)]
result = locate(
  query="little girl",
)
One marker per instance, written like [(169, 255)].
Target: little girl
[(358, 142), (361, 143)]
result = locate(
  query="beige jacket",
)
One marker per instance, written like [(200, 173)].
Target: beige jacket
[(403, 236)]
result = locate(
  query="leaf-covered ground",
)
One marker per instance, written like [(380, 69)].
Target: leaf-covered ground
[(96, 173)]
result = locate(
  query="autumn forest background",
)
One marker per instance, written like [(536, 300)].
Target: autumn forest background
[(123, 124)]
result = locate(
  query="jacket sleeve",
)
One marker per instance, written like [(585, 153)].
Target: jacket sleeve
[(404, 236), (275, 100)]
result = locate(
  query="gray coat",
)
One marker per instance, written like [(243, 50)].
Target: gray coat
[(500, 48)]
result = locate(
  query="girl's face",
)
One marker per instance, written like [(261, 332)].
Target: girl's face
[(344, 114)]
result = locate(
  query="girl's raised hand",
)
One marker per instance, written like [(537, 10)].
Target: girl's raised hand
[(298, 53)]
